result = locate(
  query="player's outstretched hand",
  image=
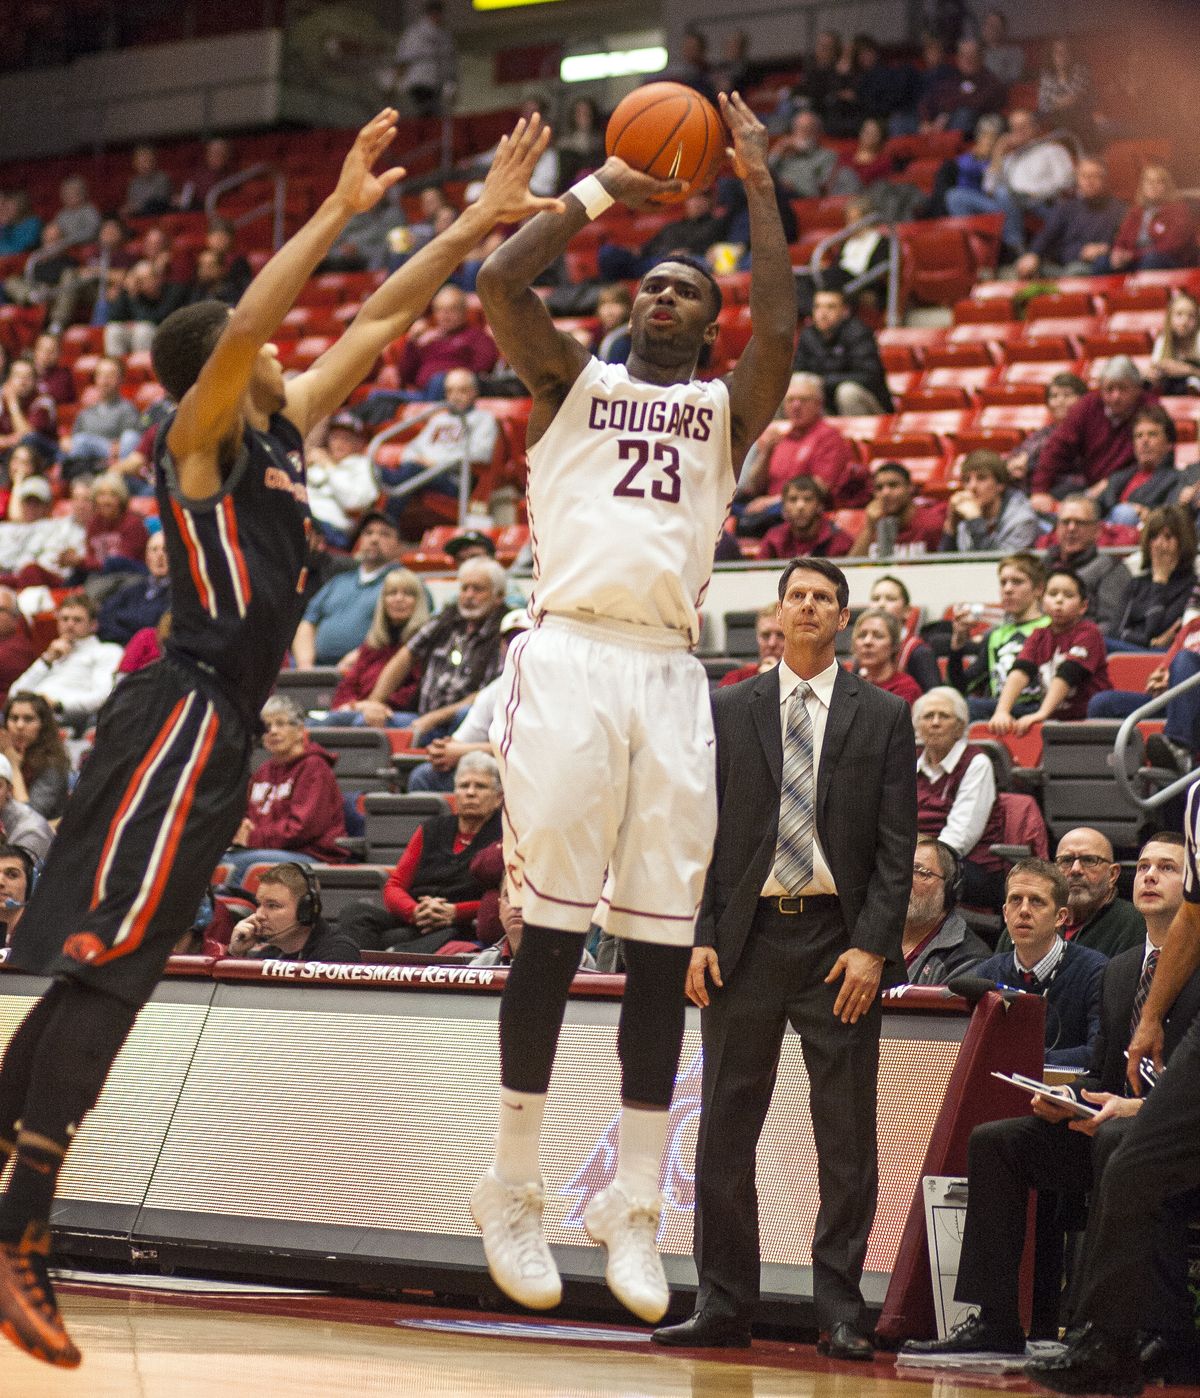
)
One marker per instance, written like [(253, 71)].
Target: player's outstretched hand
[(358, 187), (749, 150), (634, 188), (506, 197)]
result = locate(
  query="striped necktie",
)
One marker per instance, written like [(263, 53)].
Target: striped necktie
[(1143, 990), (794, 846)]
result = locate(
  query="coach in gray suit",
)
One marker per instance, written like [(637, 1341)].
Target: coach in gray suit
[(801, 923)]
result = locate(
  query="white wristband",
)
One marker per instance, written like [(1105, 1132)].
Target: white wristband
[(592, 195)]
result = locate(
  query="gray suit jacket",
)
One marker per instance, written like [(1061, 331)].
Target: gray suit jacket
[(866, 813)]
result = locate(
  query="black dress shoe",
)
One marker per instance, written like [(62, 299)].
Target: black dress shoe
[(705, 1331), (1096, 1363), (844, 1342), (971, 1336)]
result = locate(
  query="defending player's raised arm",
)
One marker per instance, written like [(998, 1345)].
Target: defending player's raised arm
[(758, 383), (547, 361), (387, 314), (211, 409)]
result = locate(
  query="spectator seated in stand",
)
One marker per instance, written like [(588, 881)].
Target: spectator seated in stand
[(1003, 59), (957, 102), (217, 165), (107, 426), (894, 525), (876, 647), (459, 654), (802, 442), (614, 304), (956, 794), (34, 747), (700, 227), (401, 609), (1157, 597), (768, 636), (1022, 583), (821, 76), (581, 145), (1066, 975), (287, 924), (427, 62), (211, 281), (53, 377), (116, 535), (45, 271), (1026, 175), (964, 171), (1096, 916), (1009, 1157), (471, 735), (337, 619), (363, 245), (1062, 393), (501, 935), (145, 300), (1065, 99), (843, 353), (295, 809), (17, 869), (988, 514), (1067, 657), (145, 646), (459, 430), (221, 238), (149, 190), (1078, 230), (16, 641), (806, 529), (27, 416), (86, 289), (914, 656), (1153, 481), (36, 548), (76, 671), (446, 342), (1158, 232), (1175, 358), (21, 824), (1075, 543), (341, 480), (804, 167), (432, 895), (937, 942), (77, 217), (20, 227), (141, 602)]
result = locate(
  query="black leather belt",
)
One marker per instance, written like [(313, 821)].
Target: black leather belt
[(793, 907)]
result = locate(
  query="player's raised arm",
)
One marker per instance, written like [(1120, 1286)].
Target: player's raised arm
[(387, 314), (758, 383), (547, 361), (211, 410)]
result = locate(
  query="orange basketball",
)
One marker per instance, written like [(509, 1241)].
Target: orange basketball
[(669, 131)]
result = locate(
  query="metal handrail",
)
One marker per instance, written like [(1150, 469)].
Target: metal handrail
[(39, 255), (430, 473), (1121, 744), (890, 269), (275, 205)]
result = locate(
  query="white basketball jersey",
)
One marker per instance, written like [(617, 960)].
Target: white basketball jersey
[(627, 493)]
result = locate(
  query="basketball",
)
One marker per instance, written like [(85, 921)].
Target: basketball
[(669, 131)]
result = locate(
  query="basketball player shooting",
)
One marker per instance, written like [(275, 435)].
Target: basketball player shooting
[(165, 787), (604, 733)]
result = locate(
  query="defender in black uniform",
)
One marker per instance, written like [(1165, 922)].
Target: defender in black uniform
[(166, 785)]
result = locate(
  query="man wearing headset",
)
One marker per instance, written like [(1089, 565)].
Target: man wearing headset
[(287, 924), (937, 943), (16, 884)]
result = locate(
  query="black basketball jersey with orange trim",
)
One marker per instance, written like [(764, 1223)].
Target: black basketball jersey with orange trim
[(237, 562)]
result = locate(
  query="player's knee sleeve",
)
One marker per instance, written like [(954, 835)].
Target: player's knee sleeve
[(651, 1029), (533, 1004), (73, 1060)]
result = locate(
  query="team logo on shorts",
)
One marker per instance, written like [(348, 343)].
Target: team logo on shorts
[(84, 947)]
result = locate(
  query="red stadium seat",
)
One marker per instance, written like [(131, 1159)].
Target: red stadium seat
[(915, 337), (1011, 395), (1109, 342), (1072, 329), (863, 428), (1039, 371), (1023, 419), (970, 379), (1040, 348), (944, 423), (1059, 305), (1001, 439), (935, 400), (994, 335), (974, 309), (899, 359), (1145, 322), (972, 354), (1138, 298)]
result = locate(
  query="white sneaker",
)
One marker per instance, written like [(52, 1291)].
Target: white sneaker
[(629, 1231), (510, 1218)]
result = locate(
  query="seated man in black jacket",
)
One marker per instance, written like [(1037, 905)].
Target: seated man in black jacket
[(1050, 1151), (839, 348), (1064, 973), (938, 944), (141, 601), (287, 925)]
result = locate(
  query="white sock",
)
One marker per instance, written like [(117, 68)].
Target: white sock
[(639, 1154), (519, 1135)]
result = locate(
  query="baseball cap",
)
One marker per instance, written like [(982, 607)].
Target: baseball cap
[(5, 768), (470, 538), (350, 421), (35, 487), (516, 620)]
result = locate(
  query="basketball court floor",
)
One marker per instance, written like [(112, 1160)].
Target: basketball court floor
[(143, 1342)]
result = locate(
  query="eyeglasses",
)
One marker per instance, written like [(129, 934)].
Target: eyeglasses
[(1089, 861), (926, 874)]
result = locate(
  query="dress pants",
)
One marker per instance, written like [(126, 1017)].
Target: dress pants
[(779, 980)]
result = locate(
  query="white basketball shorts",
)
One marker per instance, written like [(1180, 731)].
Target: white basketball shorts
[(606, 750)]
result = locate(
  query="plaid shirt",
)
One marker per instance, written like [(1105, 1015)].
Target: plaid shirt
[(458, 656)]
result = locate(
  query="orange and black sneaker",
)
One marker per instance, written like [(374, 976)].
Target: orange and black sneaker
[(28, 1308)]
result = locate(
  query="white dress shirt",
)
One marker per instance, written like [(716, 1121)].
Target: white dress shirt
[(976, 796), (80, 682), (818, 711)]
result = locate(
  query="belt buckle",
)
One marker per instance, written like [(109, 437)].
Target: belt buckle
[(789, 905)]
